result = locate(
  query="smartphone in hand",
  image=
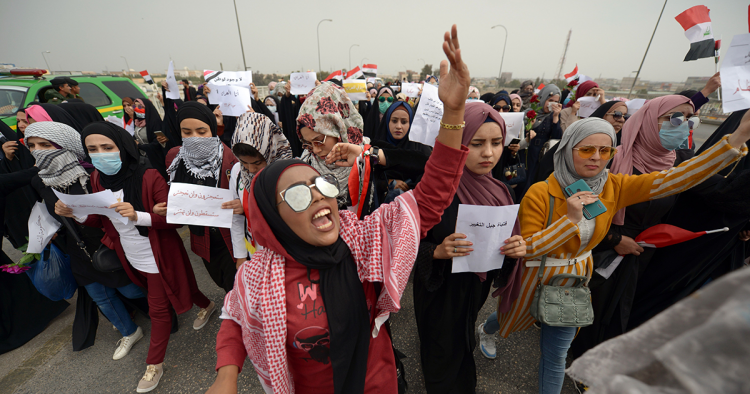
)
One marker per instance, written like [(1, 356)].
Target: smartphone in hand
[(590, 211)]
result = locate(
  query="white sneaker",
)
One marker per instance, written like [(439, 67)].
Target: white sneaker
[(125, 343), (486, 343)]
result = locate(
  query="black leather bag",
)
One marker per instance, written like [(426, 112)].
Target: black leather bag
[(104, 259), (515, 173)]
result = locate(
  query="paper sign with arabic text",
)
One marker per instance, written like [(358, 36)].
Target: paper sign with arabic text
[(198, 205), (735, 75)]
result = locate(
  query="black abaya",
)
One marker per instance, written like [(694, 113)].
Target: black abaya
[(82, 113), (446, 307), (288, 112)]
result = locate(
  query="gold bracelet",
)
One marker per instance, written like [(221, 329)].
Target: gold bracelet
[(452, 126)]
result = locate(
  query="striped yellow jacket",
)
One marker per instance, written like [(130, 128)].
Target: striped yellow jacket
[(562, 238)]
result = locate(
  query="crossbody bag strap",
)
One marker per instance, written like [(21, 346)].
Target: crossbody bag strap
[(74, 232), (549, 221)]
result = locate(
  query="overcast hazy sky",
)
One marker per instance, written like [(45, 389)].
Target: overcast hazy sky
[(609, 37)]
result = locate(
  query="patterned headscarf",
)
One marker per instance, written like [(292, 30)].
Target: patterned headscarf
[(59, 168), (329, 111), (201, 155), (258, 131)]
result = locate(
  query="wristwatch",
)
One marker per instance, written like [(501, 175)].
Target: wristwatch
[(375, 155)]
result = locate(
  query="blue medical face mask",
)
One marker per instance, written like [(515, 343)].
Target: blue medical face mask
[(271, 108), (108, 163), (673, 137)]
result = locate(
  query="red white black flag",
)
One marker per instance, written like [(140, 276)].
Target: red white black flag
[(147, 77), (356, 73), (337, 75), (370, 70), (697, 25)]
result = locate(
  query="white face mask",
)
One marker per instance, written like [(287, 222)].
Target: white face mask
[(272, 108)]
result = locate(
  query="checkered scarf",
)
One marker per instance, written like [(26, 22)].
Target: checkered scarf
[(202, 157), (59, 168), (258, 131)]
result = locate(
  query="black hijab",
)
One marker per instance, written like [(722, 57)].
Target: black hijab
[(82, 113), (501, 96), (193, 110), (130, 177), (372, 123), (340, 287), (487, 97), (603, 109), (60, 115)]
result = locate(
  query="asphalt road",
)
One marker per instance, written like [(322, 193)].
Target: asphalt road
[(47, 364)]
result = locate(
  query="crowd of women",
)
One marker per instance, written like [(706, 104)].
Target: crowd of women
[(335, 208)]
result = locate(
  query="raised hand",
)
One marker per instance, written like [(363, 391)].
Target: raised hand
[(454, 81), (344, 155)]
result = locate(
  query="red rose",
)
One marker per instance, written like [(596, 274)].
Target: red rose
[(535, 99), (531, 114), (344, 110), (573, 83), (326, 106), (306, 120), (354, 135)]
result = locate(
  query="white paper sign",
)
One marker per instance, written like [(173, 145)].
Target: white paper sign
[(513, 125), (174, 90), (92, 204), (487, 228), (356, 89), (735, 75), (426, 125), (303, 83), (42, 227), (223, 78), (588, 106), (232, 100), (116, 121), (198, 205), (411, 89), (634, 105)]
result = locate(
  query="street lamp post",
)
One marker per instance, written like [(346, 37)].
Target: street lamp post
[(126, 65), (503, 57), (350, 55), (46, 62), (318, 29), (242, 47), (363, 60)]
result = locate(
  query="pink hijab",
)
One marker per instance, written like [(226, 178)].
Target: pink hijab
[(476, 189), (513, 97), (38, 113), (641, 147)]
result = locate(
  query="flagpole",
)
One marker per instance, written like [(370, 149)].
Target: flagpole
[(716, 66), (721, 230), (649, 46)]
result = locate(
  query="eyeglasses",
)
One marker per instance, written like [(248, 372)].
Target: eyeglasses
[(299, 197), (382, 99), (677, 118), (619, 115), (309, 145), (605, 152), (504, 108)]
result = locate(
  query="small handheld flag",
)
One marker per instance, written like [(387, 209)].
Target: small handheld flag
[(662, 235), (337, 75), (572, 75), (697, 25), (147, 77), (370, 70)]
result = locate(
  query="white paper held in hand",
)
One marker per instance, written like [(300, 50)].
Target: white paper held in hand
[(411, 89), (487, 228), (588, 106), (92, 204), (174, 90), (198, 205), (232, 100), (223, 78), (42, 227), (735, 75), (303, 83), (426, 124), (513, 125)]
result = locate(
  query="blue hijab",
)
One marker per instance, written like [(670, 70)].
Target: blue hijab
[(385, 124)]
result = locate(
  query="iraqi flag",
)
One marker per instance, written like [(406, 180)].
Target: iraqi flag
[(572, 75), (147, 77), (370, 70), (334, 76), (356, 73), (697, 25)]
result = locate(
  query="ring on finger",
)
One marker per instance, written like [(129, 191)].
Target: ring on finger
[(455, 250)]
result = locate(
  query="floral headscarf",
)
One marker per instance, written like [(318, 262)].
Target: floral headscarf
[(258, 131), (329, 111)]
